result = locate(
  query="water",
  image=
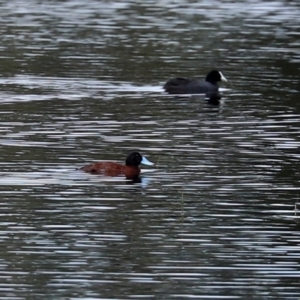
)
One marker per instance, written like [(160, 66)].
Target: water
[(216, 217)]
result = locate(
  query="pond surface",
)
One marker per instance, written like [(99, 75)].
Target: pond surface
[(217, 217)]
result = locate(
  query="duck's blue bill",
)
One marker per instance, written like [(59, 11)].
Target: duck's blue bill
[(145, 161)]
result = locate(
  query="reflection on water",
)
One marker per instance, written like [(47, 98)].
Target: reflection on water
[(216, 217)]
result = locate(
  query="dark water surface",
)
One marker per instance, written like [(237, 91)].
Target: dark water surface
[(215, 217)]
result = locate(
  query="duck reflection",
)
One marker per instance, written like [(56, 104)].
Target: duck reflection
[(143, 181), (213, 98)]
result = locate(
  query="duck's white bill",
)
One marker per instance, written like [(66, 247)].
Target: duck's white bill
[(222, 77)]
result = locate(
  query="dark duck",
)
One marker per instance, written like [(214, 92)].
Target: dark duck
[(209, 86), (130, 170)]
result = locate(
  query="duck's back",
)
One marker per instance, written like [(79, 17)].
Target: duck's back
[(111, 169), (189, 86), (106, 168)]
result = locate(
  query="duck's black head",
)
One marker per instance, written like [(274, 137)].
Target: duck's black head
[(135, 158), (215, 76)]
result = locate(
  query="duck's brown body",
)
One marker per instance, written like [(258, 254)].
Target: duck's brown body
[(112, 169), (130, 170)]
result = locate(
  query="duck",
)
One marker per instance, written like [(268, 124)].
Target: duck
[(209, 86), (130, 170)]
